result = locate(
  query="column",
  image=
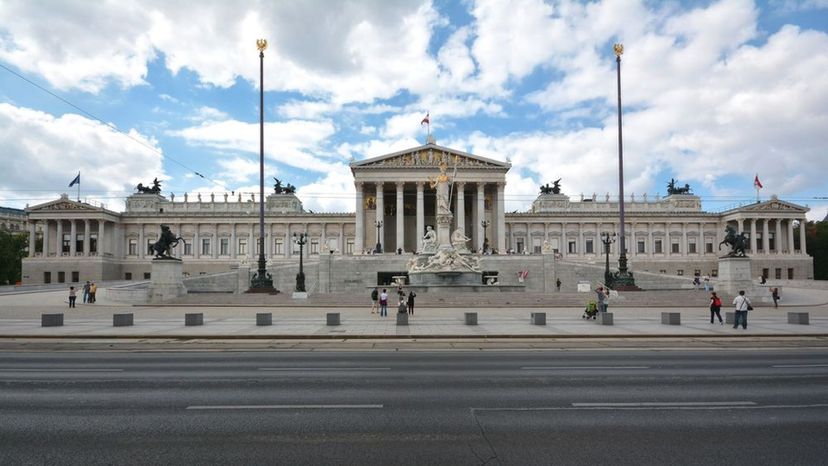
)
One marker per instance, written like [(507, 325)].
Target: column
[(765, 237), (777, 239), (46, 238), (400, 218), (460, 208), (286, 244), (323, 242), (650, 242), (420, 216), (86, 227), (501, 217), (790, 236), (215, 241), (802, 245), (684, 249), (341, 238), (359, 226), (380, 217), (481, 215), (753, 236), (73, 231), (233, 242), (142, 247), (32, 241), (196, 242), (580, 248), (564, 248), (251, 241), (102, 238), (59, 238)]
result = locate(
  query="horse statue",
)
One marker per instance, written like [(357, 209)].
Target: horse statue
[(737, 242), (277, 188), (673, 188), (167, 241), (554, 189), (154, 189)]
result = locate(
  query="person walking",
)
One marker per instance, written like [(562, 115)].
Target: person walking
[(411, 296), (86, 292), (775, 296), (93, 290), (383, 301), (742, 305), (715, 307), (72, 296), (558, 284), (374, 300)]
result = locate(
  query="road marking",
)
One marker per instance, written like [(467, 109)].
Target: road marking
[(706, 407), (664, 404), (220, 407), (323, 369), (61, 370), (561, 368), (799, 365)]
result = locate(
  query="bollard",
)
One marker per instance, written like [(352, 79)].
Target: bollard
[(730, 318), (333, 318), (671, 318), (605, 318), (264, 318), (538, 318), (122, 320), (193, 319), (402, 318), (471, 318), (51, 320), (798, 318)]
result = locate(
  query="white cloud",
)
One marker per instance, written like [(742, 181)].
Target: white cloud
[(333, 193), (43, 153), (205, 113), (239, 170)]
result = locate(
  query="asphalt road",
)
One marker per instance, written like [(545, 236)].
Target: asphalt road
[(493, 407)]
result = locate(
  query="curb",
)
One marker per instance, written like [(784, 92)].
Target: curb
[(410, 337)]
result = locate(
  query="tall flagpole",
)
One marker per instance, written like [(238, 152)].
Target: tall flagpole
[(757, 192)]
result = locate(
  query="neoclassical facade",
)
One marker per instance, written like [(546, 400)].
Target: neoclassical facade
[(72, 241)]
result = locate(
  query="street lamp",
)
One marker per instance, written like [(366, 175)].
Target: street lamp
[(485, 224), (378, 249), (301, 240), (262, 281), (607, 239), (623, 279)]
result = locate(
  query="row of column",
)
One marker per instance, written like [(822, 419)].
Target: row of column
[(750, 224), (104, 240)]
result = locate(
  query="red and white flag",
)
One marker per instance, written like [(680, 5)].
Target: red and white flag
[(756, 183), (425, 121)]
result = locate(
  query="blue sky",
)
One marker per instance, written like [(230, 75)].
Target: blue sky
[(714, 93)]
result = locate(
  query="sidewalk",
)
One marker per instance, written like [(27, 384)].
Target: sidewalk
[(20, 316)]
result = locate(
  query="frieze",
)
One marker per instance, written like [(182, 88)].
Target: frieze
[(430, 159), (65, 206)]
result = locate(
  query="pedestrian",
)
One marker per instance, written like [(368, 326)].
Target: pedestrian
[(383, 301), (602, 299), (374, 300), (775, 296), (715, 307), (706, 283), (401, 307), (558, 284), (72, 296), (742, 305), (696, 282), (411, 296), (86, 292), (93, 290)]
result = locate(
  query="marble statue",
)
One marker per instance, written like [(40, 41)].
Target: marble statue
[(429, 241), (459, 239)]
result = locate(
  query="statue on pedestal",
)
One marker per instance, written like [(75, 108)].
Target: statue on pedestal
[(429, 241), (459, 239), (167, 241), (737, 242)]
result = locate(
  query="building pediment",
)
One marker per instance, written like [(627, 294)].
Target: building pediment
[(63, 204), (429, 156), (773, 205)]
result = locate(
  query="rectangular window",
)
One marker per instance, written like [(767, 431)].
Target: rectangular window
[(691, 247), (674, 247), (572, 248), (132, 248), (258, 246), (242, 246), (64, 245), (205, 246), (128, 276), (61, 277), (536, 245), (790, 274), (772, 242), (590, 247), (349, 246), (658, 246), (224, 246), (47, 277), (766, 273), (93, 242), (778, 273), (279, 247), (314, 246), (708, 248), (519, 247), (147, 275), (188, 249), (79, 243), (697, 272), (759, 241), (75, 276), (641, 247)]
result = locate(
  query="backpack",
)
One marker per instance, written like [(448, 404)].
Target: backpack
[(717, 302), (374, 295)]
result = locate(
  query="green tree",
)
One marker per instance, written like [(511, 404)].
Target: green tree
[(13, 248), (816, 240)]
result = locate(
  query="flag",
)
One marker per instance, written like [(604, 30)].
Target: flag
[(756, 183), (425, 121), (75, 181)]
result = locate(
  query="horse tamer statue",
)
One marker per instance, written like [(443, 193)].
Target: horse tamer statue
[(167, 241), (737, 242)]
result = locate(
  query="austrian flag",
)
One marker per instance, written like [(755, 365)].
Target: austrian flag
[(756, 183), (425, 121)]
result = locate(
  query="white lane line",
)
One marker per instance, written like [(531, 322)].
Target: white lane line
[(799, 365), (225, 407), (655, 408), (61, 370), (664, 404), (563, 368), (323, 369)]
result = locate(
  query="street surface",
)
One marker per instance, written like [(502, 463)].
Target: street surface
[(617, 406)]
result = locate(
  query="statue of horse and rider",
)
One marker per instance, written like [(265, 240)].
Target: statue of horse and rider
[(673, 188), (163, 247), (279, 189), (737, 242), (154, 189), (554, 189)]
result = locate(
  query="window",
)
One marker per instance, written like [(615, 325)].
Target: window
[(590, 247), (79, 243), (662, 271), (149, 250), (766, 273), (790, 274), (93, 242), (242, 246), (778, 273), (691, 247), (47, 277), (697, 273), (205, 246), (674, 246), (61, 277), (75, 276), (349, 246), (132, 248), (572, 248), (64, 246), (188, 249), (314, 246), (279, 246), (641, 247), (224, 246), (708, 248), (772, 242), (258, 247), (128, 276), (680, 272), (536, 245), (519, 245), (658, 246), (759, 241), (714, 273)]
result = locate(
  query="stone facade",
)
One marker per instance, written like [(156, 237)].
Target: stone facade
[(671, 236)]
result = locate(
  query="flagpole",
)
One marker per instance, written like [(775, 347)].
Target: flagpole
[(78, 185)]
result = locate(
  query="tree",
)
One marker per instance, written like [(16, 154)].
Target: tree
[(816, 240), (13, 248)]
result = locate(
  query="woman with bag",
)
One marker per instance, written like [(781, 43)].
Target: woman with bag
[(715, 307), (742, 304)]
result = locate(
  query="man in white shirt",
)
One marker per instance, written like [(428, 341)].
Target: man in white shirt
[(742, 305)]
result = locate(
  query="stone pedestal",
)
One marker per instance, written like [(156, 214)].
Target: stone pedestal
[(402, 318), (734, 275), (471, 318), (605, 318), (51, 320), (167, 280)]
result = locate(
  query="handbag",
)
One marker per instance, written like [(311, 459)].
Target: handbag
[(750, 308)]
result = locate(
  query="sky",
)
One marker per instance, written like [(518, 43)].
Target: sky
[(714, 93)]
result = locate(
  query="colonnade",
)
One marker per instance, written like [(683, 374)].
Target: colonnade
[(104, 240)]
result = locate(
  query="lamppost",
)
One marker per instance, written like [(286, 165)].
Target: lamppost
[(485, 224), (623, 279), (262, 281), (607, 239), (301, 240), (378, 249)]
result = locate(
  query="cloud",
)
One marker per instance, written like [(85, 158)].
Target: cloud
[(42, 153), (334, 192)]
